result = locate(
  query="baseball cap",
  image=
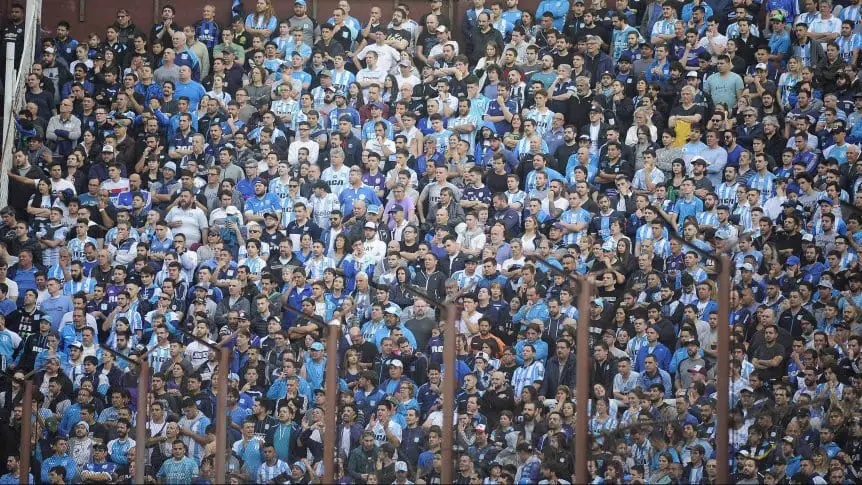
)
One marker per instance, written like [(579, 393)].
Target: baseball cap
[(373, 209), (400, 466), (698, 369), (609, 246), (317, 346), (825, 284), (243, 316), (625, 58), (691, 74), (442, 28), (599, 303), (370, 225), (746, 267), (484, 356), (761, 65), (396, 208), (396, 363), (107, 149), (48, 50), (791, 261), (699, 160), (480, 428), (77, 345), (776, 15), (326, 72), (170, 166)]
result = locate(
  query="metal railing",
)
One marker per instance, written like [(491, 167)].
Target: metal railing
[(15, 85)]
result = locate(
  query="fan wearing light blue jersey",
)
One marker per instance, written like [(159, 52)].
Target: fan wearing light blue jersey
[(337, 175), (180, 468)]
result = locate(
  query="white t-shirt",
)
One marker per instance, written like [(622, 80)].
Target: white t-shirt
[(193, 222)]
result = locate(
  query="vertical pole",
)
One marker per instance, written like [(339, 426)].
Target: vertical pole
[(449, 382), (722, 372), (26, 431), (582, 393), (331, 387), (141, 420), (221, 415), (9, 84)]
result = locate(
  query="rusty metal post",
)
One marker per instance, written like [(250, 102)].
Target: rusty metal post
[(330, 406), (221, 413), (451, 380), (141, 420), (582, 393), (26, 432), (142, 361), (722, 372)]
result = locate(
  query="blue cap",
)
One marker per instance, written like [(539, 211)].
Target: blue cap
[(317, 346), (792, 260), (373, 209), (828, 200), (258, 180)]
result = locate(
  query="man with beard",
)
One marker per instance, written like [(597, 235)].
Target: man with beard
[(188, 219)]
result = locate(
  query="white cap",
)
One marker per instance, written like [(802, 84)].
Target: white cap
[(761, 65)]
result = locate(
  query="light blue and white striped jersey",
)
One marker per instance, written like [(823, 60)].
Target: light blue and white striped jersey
[(543, 120), (76, 247), (315, 268), (846, 45), (661, 248), (87, 285), (267, 473), (707, 218), (287, 215), (198, 425), (526, 376), (851, 13), (573, 217), (341, 80), (726, 193)]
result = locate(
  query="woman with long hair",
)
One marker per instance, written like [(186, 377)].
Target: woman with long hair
[(263, 21), (601, 421), (389, 93), (787, 82), (350, 368), (257, 89), (397, 294), (677, 177), (355, 98), (662, 475), (513, 136), (39, 206), (492, 56), (89, 147), (177, 380), (532, 236), (528, 22), (340, 249)]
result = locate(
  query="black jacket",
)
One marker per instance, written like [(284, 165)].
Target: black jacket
[(433, 283), (555, 376)]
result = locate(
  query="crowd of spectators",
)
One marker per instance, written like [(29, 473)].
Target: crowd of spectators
[(247, 181)]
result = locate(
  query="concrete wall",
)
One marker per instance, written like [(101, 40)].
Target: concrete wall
[(96, 15)]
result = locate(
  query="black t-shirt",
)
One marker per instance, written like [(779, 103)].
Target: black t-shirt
[(398, 35), (678, 110)]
